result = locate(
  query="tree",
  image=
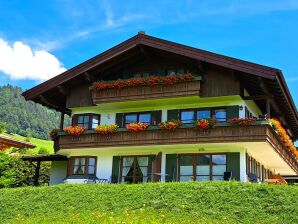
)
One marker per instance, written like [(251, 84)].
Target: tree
[(2, 127)]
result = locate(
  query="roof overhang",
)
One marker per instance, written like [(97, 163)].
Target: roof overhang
[(12, 142)]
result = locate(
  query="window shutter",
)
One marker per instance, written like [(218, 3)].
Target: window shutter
[(74, 120), (173, 114), (233, 164), (119, 119), (115, 169), (232, 112), (70, 166), (156, 117), (171, 167)]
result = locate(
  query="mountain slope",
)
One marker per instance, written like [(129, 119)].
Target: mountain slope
[(26, 118)]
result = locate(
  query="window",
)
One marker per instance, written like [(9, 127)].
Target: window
[(137, 117), (202, 167), (135, 169), (188, 117), (82, 166), (220, 115), (88, 121)]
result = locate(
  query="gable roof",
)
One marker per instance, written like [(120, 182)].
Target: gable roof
[(272, 75)]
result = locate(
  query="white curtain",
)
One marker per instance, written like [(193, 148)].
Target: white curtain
[(127, 163), (143, 164)]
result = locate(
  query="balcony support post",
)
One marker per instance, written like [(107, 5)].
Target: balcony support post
[(62, 120)]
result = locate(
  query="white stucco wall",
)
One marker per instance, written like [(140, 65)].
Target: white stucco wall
[(58, 172)]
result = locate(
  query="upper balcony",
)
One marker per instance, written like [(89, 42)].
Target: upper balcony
[(180, 88), (259, 138)]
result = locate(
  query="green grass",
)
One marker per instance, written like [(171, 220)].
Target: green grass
[(40, 143), (193, 202)]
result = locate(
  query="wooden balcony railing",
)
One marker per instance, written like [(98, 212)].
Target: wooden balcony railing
[(222, 133), (187, 88)]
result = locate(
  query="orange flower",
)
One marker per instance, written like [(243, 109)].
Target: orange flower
[(74, 130)]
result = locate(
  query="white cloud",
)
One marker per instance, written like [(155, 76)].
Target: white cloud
[(19, 61)]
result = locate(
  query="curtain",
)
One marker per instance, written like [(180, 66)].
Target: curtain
[(127, 163), (143, 164)]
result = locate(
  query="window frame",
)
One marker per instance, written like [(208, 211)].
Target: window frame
[(211, 109), (194, 159), (138, 117), (71, 165), (75, 120)]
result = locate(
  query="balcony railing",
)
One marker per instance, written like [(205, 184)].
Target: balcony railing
[(187, 134), (180, 89)]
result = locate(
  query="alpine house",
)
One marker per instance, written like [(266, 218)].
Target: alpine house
[(152, 110)]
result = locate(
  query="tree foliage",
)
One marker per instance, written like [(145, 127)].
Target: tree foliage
[(26, 118)]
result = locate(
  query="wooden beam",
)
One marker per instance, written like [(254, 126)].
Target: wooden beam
[(36, 176), (256, 97), (88, 77), (48, 102), (63, 90), (62, 120)]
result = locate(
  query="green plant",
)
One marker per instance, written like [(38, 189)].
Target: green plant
[(170, 125), (105, 129), (206, 123), (2, 127)]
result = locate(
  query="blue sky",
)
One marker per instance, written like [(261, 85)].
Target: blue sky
[(43, 38)]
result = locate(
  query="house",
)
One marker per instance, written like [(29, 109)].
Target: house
[(7, 142), (158, 81)]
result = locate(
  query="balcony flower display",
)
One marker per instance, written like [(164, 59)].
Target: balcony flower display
[(75, 130), (206, 123), (137, 126), (105, 129), (170, 125), (54, 133), (279, 129), (241, 121), (150, 81)]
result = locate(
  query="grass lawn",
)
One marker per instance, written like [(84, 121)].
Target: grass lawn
[(40, 143), (193, 202)]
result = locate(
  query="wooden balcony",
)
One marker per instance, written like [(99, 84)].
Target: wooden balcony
[(222, 133), (181, 89)]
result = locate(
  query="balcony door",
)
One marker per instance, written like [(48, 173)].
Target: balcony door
[(135, 169)]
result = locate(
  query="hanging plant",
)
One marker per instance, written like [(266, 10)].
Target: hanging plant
[(54, 134), (170, 125), (105, 129), (241, 121), (206, 123), (75, 130), (137, 126), (133, 82)]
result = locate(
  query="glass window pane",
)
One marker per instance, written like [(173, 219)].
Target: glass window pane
[(91, 161), (187, 117), (76, 161), (203, 178), (203, 170), (145, 118), (220, 115), (95, 121), (186, 178), (91, 170), (186, 170), (80, 119), (218, 169), (203, 114), (130, 118), (219, 159), (186, 165), (217, 178), (203, 160)]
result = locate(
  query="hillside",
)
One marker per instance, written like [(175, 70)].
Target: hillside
[(26, 118), (192, 202)]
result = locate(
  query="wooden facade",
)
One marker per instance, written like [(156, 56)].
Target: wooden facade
[(189, 88)]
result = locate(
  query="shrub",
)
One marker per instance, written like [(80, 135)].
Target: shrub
[(54, 133), (170, 125), (105, 129)]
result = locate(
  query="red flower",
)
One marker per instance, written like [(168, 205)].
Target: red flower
[(241, 121), (207, 123), (137, 126), (74, 130), (170, 125)]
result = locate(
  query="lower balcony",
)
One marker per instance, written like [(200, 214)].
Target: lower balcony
[(249, 136)]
